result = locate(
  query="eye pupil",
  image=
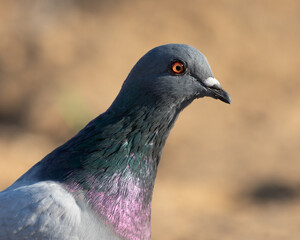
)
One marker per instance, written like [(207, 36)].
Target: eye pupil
[(178, 68)]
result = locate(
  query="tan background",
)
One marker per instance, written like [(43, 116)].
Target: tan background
[(227, 172)]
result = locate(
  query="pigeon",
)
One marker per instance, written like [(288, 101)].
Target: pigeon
[(99, 184)]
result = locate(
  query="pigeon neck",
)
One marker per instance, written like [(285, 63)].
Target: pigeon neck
[(112, 163), (121, 192)]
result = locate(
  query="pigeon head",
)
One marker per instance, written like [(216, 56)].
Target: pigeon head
[(171, 75)]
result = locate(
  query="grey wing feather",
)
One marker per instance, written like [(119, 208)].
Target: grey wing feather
[(45, 210), (38, 211)]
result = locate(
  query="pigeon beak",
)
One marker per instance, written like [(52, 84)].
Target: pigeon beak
[(221, 95), (215, 90)]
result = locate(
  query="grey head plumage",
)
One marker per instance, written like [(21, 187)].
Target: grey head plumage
[(152, 78), (99, 184)]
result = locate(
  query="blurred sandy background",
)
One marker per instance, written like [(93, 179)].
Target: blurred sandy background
[(227, 172)]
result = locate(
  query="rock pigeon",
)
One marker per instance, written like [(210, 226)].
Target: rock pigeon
[(99, 184)]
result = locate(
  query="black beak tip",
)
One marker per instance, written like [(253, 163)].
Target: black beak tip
[(221, 95), (227, 98)]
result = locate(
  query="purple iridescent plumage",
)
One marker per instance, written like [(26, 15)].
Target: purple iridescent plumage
[(126, 207)]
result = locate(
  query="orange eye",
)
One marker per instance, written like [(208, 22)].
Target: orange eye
[(178, 67)]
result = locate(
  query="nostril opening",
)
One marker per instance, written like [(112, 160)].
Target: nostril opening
[(216, 87)]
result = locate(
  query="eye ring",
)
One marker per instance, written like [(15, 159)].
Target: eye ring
[(178, 67)]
